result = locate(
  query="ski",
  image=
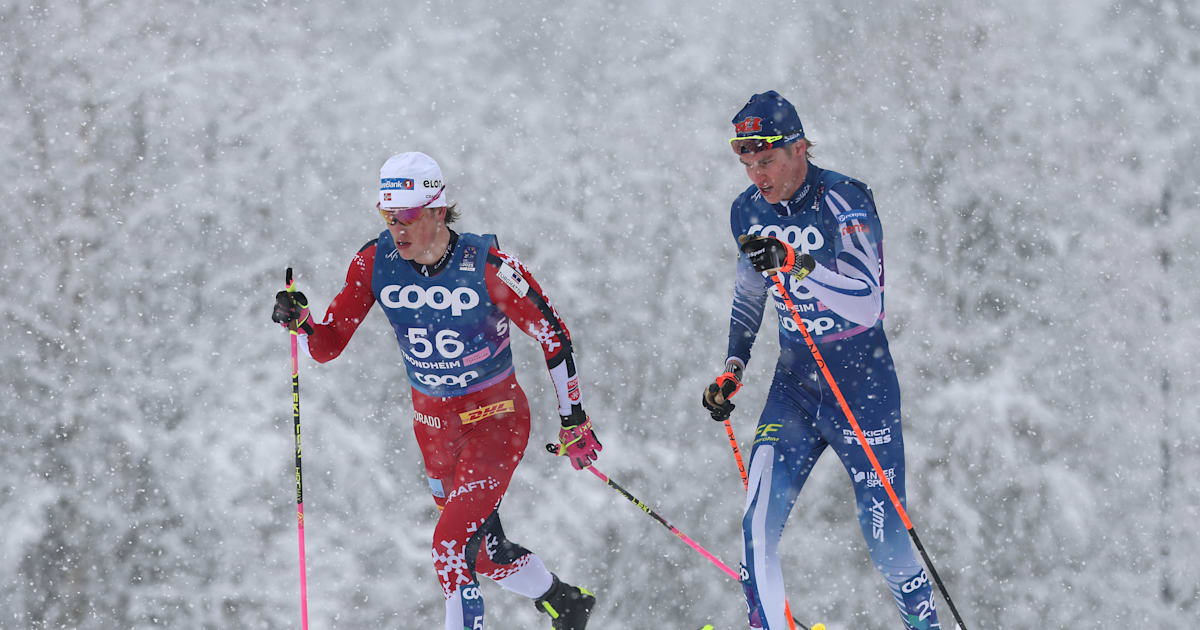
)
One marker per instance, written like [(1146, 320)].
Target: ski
[(815, 626)]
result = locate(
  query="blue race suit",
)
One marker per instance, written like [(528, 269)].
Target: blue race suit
[(833, 218), (449, 311)]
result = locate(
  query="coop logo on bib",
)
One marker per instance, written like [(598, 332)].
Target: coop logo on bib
[(452, 380), (437, 297), (804, 239)]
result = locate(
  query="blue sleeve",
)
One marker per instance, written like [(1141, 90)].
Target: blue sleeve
[(854, 289), (749, 300)]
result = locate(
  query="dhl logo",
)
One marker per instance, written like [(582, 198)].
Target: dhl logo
[(487, 411)]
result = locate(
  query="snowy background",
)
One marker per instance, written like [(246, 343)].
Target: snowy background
[(1035, 167)]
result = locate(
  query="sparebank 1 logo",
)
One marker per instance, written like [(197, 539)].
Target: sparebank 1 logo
[(805, 240), (437, 297)]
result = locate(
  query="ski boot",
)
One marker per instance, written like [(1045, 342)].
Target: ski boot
[(568, 606)]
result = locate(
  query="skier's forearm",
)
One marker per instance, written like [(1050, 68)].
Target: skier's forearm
[(346, 311), (518, 295), (745, 317), (855, 299)]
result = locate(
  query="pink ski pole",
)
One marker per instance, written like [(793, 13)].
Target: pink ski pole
[(291, 287), (554, 449)]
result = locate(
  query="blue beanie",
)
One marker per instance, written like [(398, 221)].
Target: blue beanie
[(769, 114)]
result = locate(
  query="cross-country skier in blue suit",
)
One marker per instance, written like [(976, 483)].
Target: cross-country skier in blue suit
[(821, 230)]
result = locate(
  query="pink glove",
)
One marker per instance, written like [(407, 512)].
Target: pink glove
[(579, 442)]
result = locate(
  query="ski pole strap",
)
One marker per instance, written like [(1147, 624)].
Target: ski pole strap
[(729, 384), (290, 286)]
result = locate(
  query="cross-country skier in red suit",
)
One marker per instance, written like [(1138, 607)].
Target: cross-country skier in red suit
[(452, 299)]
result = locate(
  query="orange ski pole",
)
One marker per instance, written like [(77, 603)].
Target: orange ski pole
[(862, 440)]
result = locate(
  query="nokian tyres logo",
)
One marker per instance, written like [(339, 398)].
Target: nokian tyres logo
[(438, 298)]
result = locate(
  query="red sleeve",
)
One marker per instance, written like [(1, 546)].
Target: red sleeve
[(347, 310), (513, 289), (520, 297)]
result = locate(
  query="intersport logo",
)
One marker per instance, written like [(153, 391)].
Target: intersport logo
[(437, 297)]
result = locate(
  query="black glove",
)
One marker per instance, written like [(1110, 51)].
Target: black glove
[(717, 394), (769, 254), (292, 306)]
